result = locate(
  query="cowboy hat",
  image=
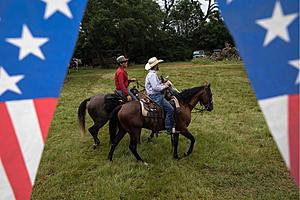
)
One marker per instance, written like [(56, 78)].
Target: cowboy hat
[(121, 59), (152, 62)]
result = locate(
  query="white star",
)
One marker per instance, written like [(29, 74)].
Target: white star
[(229, 1), (28, 44), (296, 64), (9, 82), (277, 25), (57, 5)]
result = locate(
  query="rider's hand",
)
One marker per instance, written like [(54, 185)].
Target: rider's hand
[(129, 98), (167, 84)]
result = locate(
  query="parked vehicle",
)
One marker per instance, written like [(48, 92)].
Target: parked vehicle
[(198, 54)]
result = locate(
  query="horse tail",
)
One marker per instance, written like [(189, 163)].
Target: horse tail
[(81, 116), (113, 123)]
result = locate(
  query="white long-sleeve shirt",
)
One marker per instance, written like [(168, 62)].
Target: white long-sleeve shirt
[(152, 84)]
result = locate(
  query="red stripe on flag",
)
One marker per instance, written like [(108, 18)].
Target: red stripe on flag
[(12, 158), (45, 109), (293, 120)]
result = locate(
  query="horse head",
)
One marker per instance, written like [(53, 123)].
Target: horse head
[(206, 98)]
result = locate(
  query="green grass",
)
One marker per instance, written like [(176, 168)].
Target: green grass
[(234, 157)]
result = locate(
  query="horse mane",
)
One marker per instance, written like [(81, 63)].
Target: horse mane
[(186, 95)]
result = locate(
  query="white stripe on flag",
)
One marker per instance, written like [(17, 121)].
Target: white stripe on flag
[(5, 188), (276, 114), (27, 128)]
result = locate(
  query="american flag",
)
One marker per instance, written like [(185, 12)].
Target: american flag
[(267, 36), (37, 38)]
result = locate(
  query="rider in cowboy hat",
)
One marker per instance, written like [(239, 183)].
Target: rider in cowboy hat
[(122, 81), (155, 88)]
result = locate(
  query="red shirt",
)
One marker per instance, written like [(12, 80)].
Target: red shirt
[(121, 80)]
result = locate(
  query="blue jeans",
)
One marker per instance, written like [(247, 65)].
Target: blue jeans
[(129, 92), (169, 110)]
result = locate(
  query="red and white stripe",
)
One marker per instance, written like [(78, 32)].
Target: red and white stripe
[(282, 116), (24, 127), (6, 190)]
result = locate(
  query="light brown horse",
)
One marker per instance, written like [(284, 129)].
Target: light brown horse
[(129, 119)]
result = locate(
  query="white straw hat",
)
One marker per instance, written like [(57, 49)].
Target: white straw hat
[(152, 62)]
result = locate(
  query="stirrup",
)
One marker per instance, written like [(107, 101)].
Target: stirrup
[(174, 131)]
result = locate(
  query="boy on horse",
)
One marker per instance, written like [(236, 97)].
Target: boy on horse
[(122, 81), (154, 88)]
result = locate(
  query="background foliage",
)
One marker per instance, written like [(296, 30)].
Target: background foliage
[(142, 29)]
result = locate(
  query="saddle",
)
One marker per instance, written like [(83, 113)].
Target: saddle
[(154, 114), (151, 109), (114, 97), (112, 101)]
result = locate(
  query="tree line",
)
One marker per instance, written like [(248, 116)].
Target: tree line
[(141, 29)]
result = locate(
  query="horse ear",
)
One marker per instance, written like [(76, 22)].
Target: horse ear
[(206, 84)]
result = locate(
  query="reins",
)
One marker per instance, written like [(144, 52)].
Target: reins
[(139, 85), (198, 110)]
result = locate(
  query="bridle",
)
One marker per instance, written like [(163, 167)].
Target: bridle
[(199, 110), (203, 107)]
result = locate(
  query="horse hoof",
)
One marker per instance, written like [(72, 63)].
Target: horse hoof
[(186, 154), (176, 158), (109, 158), (95, 146)]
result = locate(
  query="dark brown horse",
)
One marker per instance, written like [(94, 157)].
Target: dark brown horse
[(130, 119), (100, 108)]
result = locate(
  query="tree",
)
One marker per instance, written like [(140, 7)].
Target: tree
[(186, 16), (168, 4), (212, 35), (119, 26), (140, 29)]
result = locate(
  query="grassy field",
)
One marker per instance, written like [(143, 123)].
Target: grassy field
[(234, 156)]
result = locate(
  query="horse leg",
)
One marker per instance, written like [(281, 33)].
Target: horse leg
[(113, 126), (175, 143), (151, 136), (115, 142), (94, 132), (172, 141), (192, 139), (134, 136)]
